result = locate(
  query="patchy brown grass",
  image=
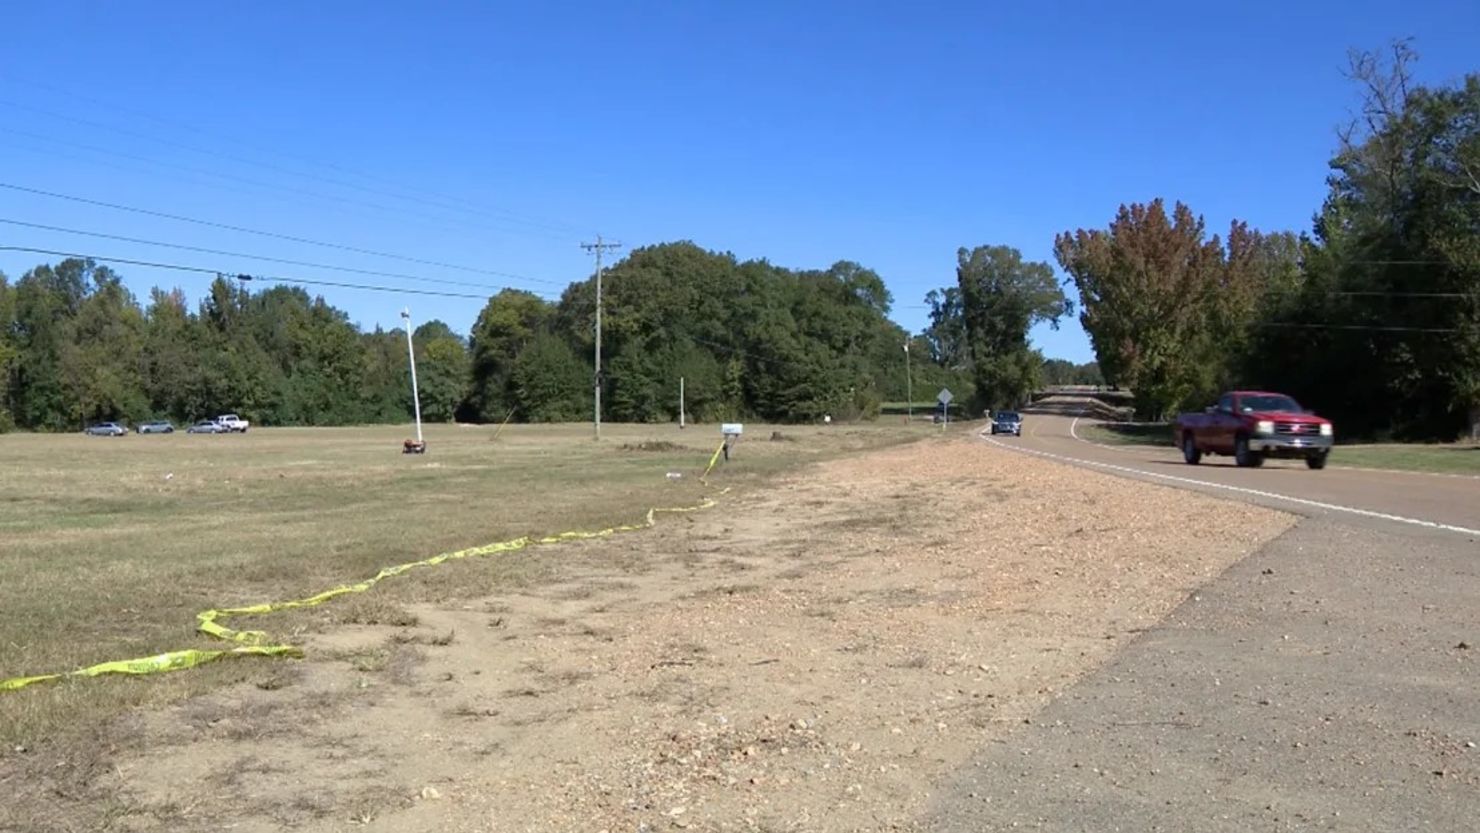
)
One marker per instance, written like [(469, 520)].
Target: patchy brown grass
[(662, 446), (112, 547)]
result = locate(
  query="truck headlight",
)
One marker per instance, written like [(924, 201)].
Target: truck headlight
[(1264, 426), (1325, 429)]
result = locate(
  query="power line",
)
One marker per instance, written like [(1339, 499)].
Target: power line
[(1382, 294), (1357, 327), (237, 179), (274, 235), (280, 169), (370, 287), (242, 277), (735, 351), (101, 259), (265, 258)]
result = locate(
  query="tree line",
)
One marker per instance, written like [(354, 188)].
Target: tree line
[(1372, 317), (749, 339)]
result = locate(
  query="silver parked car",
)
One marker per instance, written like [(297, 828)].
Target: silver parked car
[(157, 426), (106, 429), (207, 426)]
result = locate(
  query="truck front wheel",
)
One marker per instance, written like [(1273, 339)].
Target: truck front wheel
[(1245, 456), (1317, 461), (1190, 452)]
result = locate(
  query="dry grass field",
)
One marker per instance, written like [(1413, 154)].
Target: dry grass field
[(111, 546), (822, 650)]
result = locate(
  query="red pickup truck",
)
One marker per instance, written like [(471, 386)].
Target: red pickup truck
[(1253, 425)]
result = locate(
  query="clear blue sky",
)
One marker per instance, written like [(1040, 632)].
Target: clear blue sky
[(499, 136)]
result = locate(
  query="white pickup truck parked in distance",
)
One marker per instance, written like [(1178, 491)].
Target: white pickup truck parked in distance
[(232, 422)]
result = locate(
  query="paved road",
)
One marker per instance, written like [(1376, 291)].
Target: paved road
[(1329, 682), (1285, 484)]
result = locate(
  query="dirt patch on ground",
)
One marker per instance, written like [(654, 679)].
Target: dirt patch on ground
[(815, 657)]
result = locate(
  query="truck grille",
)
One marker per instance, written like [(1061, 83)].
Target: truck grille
[(1296, 428)]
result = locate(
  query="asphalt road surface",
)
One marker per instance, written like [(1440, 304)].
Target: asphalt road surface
[(1405, 497), (1329, 682)]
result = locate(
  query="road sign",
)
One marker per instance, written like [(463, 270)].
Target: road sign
[(945, 396)]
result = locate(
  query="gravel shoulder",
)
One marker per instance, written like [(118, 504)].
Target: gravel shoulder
[(1326, 683), (818, 656)]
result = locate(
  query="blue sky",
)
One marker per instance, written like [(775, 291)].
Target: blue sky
[(500, 136)]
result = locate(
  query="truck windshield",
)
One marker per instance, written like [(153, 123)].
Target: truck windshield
[(1269, 402)]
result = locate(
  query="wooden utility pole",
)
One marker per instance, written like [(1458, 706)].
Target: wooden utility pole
[(598, 248)]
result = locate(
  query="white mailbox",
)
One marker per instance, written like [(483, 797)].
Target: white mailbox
[(732, 429)]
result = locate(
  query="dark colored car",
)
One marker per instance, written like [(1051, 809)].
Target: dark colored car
[(106, 429), (207, 426), (1008, 422), (158, 426)]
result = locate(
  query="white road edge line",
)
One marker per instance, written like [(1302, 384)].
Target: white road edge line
[(1123, 449), (1300, 501)]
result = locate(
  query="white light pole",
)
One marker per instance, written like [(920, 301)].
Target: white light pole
[(909, 387), (411, 352), (680, 402)]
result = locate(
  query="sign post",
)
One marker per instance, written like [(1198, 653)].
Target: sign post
[(944, 398), (731, 432)]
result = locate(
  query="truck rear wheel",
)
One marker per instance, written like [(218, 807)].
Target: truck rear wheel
[(1189, 451)]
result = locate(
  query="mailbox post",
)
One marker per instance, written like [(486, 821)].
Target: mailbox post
[(732, 432)]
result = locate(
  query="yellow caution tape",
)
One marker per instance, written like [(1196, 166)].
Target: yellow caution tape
[(712, 460), (209, 621), (168, 661)]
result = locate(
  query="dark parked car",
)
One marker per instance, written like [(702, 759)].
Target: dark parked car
[(1008, 422), (207, 426), (106, 429), (158, 426)]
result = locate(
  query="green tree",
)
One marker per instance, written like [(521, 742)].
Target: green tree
[(46, 303), (1001, 297), (508, 323), (101, 367), (443, 370), (384, 390), (552, 383), (635, 385), (748, 339), (1065, 372), (172, 371), (946, 335), (704, 383), (1392, 273), (8, 353), (1165, 306)]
